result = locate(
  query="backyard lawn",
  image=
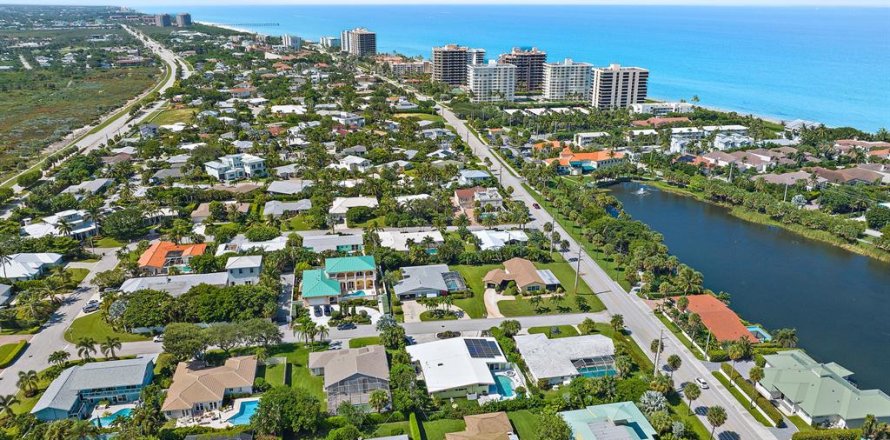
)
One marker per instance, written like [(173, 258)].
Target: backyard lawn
[(298, 223), (95, 327), (475, 306), (563, 271), (273, 374), (390, 429), (437, 429), (421, 116), (298, 356), (108, 242), (525, 423), (172, 116)]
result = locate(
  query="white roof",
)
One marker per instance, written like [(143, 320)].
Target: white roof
[(399, 240), (342, 204), (289, 187), (27, 265), (294, 109), (244, 262), (175, 285), (401, 200), (321, 243), (547, 358), (241, 244), (353, 160), (491, 239), (447, 364)]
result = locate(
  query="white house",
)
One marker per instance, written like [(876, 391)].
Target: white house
[(354, 163), (79, 225), (492, 239), (244, 270), (585, 139), (236, 167), (563, 359), (28, 266), (459, 367), (342, 205)]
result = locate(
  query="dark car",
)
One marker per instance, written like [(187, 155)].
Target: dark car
[(536, 206), (346, 326), (317, 310), (327, 310)]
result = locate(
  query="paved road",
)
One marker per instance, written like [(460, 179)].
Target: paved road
[(52, 336), (25, 62), (121, 123), (641, 322)]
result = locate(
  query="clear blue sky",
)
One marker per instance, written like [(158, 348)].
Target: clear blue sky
[(136, 3)]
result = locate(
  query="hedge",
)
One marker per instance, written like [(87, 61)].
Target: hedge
[(828, 434), (414, 427), (752, 393), (718, 356), (10, 352)]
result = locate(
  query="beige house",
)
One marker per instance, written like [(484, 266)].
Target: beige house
[(351, 375), (527, 277), (196, 389)]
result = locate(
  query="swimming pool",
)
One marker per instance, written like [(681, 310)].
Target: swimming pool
[(760, 333), (107, 420), (597, 371), (246, 408), (503, 386)]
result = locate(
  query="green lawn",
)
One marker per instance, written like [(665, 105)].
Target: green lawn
[(437, 429), (9, 352), (274, 374), (525, 422), (474, 306), (742, 399), (564, 331), (379, 221), (566, 275), (421, 116), (801, 424), (364, 342), (77, 274), (298, 223), (172, 116), (94, 326), (108, 242), (389, 429), (298, 356)]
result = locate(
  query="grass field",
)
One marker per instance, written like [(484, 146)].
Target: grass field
[(172, 116), (298, 223), (40, 107), (274, 374), (389, 429), (108, 242), (78, 274), (421, 116), (475, 306), (437, 429), (563, 331), (9, 352), (364, 342), (525, 423), (95, 327)]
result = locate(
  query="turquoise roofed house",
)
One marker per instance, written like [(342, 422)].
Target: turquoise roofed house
[(821, 394), (341, 278), (622, 420)]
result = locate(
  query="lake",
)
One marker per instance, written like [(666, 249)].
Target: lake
[(837, 300)]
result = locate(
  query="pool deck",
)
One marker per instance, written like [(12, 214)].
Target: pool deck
[(100, 412), (215, 419)]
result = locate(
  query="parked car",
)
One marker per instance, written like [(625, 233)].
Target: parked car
[(317, 311), (90, 308), (346, 326), (701, 383), (536, 206), (327, 310), (158, 338)]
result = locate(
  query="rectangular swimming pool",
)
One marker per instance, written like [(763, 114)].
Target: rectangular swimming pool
[(597, 371)]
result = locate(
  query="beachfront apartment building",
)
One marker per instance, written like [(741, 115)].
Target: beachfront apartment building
[(529, 67), (341, 278), (491, 82), (567, 80), (329, 42), (619, 87), (660, 109), (359, 42), (234, 167), (450, 63)]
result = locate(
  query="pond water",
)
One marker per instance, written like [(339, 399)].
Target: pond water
[(838, 301)]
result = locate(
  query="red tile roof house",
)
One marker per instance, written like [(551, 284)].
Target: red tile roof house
[(160, 256), (465, 197), (719, 319), (579, 163)]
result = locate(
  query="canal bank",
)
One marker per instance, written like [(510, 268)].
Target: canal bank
[(837, 300)]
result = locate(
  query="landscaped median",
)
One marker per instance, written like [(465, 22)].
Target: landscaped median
[(765, 406), (10, 352)]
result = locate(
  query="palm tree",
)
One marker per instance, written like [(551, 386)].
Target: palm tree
[(674, 362), (86, 347), (110, 345), (5, 256), (322, 331), (27, 382), (692, 392), (786, 337), (6, 405), (64, 227), (535, 301), (716, 417), (756, 375), (617, 322), (378, 400), (59, 357)]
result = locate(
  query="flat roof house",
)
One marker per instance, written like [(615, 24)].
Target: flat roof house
[(400, 241), (351, 375), (821, 394), (561, 360), (278, 209), (428, 281), (336, 243), (196, 389), (622, 420), (459, 367), (162, 255), (236, 167), (494, 240), (175, 285), (26, 266), (524, 273), (490, 426), (342, 205), (78, 389), (81, 226), (346, 277)]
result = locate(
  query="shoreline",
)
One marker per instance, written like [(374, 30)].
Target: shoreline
[(228, 27)]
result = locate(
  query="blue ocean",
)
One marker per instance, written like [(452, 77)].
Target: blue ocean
[(830, 65)]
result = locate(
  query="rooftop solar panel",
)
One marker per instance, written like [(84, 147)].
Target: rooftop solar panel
[(482, 348)]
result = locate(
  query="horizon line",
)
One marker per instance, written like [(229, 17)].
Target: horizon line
[(880, 4)]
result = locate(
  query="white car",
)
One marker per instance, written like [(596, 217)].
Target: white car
[(158, 338), (701, 383)]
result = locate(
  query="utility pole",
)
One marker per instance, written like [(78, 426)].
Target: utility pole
[(658, 351), (578, 269)]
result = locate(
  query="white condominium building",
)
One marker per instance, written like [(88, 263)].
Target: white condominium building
[(359, 42), (402, 68), (567, 80), (619, 87), (291, 41), (491, 82), (329, 42), (475, 56)]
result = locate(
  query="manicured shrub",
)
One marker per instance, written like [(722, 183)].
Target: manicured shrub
[(828, 434)]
